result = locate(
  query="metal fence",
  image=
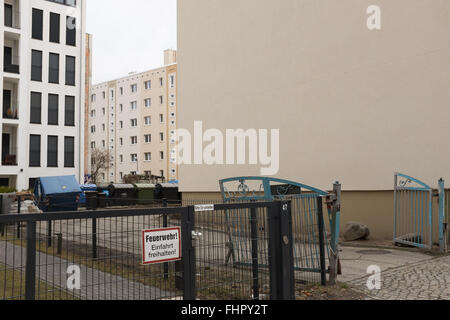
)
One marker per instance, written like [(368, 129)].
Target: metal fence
[(41, 255), (416, 219), (413, 212)]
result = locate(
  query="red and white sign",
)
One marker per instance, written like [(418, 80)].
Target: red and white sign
[(161, 245)]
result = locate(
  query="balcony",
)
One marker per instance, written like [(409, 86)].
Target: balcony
[(10, 100), (11, 59), (12, 14), (9, 146)]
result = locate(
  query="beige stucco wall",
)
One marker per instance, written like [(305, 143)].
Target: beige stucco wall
[(352, 105)]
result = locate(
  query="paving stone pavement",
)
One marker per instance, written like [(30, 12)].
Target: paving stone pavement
[(425, 280)]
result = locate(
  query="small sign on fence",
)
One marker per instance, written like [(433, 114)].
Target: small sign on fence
[(204, 207), (161, 245)]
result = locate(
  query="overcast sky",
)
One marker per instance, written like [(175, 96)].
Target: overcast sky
[(129, 35)]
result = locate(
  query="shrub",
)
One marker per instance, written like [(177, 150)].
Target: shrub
[(7, 190)]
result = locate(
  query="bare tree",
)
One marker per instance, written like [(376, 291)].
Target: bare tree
[(100, 161)]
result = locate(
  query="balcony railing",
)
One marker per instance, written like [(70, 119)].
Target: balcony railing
[(9, 160), (11, 114), (11, 68)]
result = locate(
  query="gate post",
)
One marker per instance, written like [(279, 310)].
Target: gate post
[(320, 221), (442, 226), (335, 220), (188, 256), (281, 252)]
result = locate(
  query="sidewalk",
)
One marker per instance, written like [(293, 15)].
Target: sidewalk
[(405, 275)]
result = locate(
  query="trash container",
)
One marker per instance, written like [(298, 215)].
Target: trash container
[(167, 191), (91, 200), (102, 200), (57, 194), (122, 194), (85, 188), (145, 193)]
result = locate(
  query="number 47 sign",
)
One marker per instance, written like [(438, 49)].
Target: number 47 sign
[(161, 245)]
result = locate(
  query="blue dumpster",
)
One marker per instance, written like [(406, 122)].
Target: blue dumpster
[(57, 194), (84, 188)]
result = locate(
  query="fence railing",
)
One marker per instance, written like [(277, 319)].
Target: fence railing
[(97, 255)]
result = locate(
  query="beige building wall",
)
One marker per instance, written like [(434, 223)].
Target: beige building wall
[(171, 122), (124, 139), (157, 95), (352, 105)]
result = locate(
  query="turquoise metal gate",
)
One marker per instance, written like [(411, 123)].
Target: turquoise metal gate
[(314, 252), (413, 212)]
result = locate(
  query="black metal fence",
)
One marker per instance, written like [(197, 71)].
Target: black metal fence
[(229, 251)]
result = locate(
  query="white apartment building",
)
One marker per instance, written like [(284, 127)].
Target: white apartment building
[(42, 81), (135, 118)]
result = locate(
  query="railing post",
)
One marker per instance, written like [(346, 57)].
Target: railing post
[(19, 200), (442, 227), (30, 267), (187, 226), (94, 238), (165, 223), (49, 234), (281, 253), (254, 239), (320, 221)]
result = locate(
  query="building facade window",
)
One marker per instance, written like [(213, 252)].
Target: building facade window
[(35, 150), (69, 114), (53, 68), (35, 108), (134, 105), (70, 71), (71, 31), (55, 27), (148, 120), (148, 85), (69, 152), (148, 156), (148, 103), (53, 104), (52, 151), (36, 65), (134, 123), (37, 24), (148, 138)]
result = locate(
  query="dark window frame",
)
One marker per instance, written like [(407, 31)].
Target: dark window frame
[(37, 24), (52, 152), (54, 28), (54, 121), (53, 71), (35, 151), (71, 33), (69, 153), (69, 113), (70, 74), (36, 68), (35, 108)]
